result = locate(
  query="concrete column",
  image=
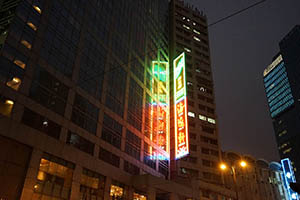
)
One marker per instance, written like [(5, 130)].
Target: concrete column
[(107, 188), (31, 175), (151, 193), (75, 190)]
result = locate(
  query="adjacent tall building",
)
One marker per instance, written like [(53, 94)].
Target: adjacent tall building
[(282, 84), (93, 107), (189, 34)]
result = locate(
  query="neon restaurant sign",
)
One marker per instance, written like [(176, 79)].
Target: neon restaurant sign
[(180, 108)]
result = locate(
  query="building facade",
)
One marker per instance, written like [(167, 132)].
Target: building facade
[(87, 107), (282, 90), (258, 180), (189, 34)]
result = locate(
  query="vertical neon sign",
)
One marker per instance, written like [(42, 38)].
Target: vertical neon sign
[(180, 105), (289, 177)]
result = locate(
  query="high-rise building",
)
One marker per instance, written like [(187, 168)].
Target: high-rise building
[(189, 34), (281, 83), (87, 107)]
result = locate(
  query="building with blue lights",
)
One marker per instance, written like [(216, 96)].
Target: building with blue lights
[(282, 87)]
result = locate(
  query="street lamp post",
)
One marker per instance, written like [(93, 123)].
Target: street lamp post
[(223, 167)]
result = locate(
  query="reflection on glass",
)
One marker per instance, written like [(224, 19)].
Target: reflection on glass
[(26, 44), (31, 25), (20, 63)]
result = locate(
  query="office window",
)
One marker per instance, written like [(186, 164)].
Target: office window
[(111, 131), (211, 120), (85, 114), (133, 145), (116, 191), (115, 90), (131, 168), (109, 157), (80, 143), (49, 91), (137, 69), (6, 106), (208, 129), (193, 147), (191, 114), (54, 179), (41, 123), (148, 158), (91, 185), (163, 167), (135, 105)]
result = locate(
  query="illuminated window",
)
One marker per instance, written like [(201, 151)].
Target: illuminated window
[(287, 151), (116, 192), (26, 44), (202, 117), (54, 178), (20, 63), (14, 83), (186, 27), (188, 19), (197, 32), (6, 106), (189, 83), (137, 196), (282, 133), (197, 39), (210, 120), (37, 9), (188, 50), (31, 25), (202, 89), (191, 114)]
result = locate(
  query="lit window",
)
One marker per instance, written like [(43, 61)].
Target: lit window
[(197, 32), (37, 9), (191, 114), (202, 117), (137, 196), (26, 44), (188, 19), (6, 106), (202, 89), (197, 39), (14, 83), (198, 70), (194, 23), (287, 150), (189, 83), (185, 26), (183, 18), (116, 192), (282, 133), (210, 120), (31, 25), (20, 63), (188, 50)]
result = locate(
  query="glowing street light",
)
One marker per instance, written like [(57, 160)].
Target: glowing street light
[(223, 166), (243, 164)]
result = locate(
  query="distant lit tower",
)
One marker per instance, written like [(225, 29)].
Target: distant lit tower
[(282, 87), (189, 42)]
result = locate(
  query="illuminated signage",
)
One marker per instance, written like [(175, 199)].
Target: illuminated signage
[(273, 64), (160, 106), (289, 177), (180, 107)]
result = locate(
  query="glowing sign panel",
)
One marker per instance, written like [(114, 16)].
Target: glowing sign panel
[(181, 128), (289, 178)]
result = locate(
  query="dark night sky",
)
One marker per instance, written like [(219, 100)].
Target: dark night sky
[(241, 48)]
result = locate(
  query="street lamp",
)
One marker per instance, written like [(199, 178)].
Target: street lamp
[(224, 167)]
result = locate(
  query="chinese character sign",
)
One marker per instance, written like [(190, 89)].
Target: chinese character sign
[(180, 105)]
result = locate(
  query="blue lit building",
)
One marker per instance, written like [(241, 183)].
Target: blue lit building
[(289, 177), (282, 87)]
